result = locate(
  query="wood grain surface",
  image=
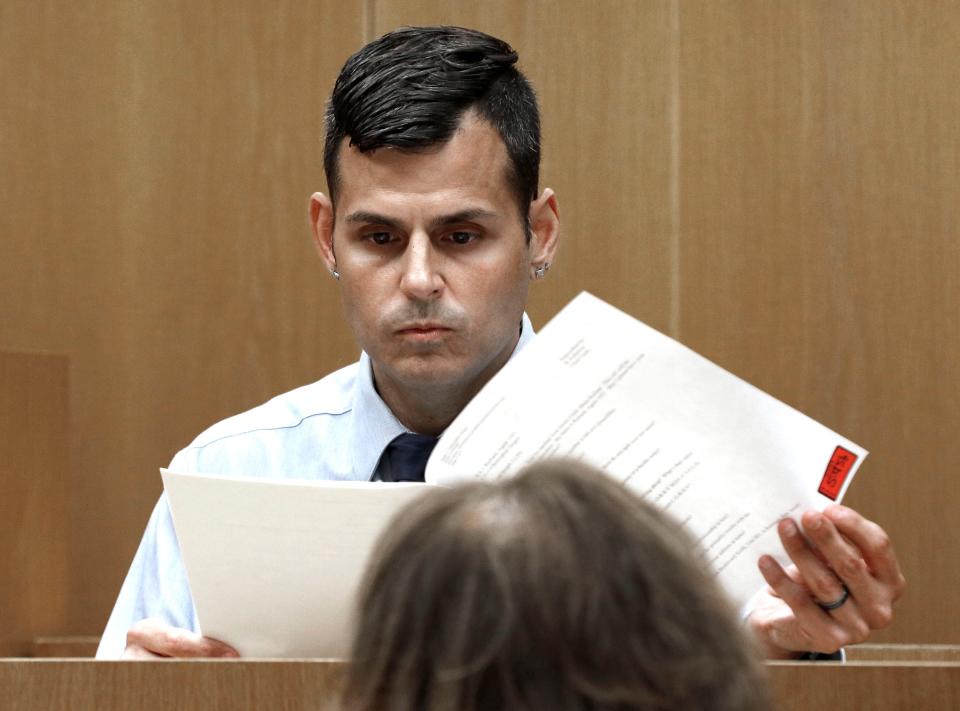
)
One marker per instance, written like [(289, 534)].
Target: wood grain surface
[(34, 490), (774, 183), (73, 685), (62, 685), (820, 258), (158, 158), (903, 653)]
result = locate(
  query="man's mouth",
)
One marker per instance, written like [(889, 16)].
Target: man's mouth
[(423, 331)]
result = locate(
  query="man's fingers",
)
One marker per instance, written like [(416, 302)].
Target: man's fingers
[(821, 582), (874, 544), (840, 556), (135, 651), (814, 630), (160, 639), (852, 550), (838, 563), (837, 548)]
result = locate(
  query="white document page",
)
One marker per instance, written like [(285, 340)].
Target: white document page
[(274, 566), (721, 456)]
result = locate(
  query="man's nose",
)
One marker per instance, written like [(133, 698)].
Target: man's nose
[(421, 278)]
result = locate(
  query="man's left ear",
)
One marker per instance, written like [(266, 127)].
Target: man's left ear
[(545, 228)]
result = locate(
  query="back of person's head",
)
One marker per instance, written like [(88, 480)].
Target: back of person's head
[(552, 591), (410, 89)]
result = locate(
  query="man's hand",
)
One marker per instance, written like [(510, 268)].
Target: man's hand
[(153, 639), (841, 548)]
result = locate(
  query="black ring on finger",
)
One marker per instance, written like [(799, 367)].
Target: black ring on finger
[(828, 606)]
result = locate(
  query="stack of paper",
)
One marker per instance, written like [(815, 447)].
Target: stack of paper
[(274, 566)]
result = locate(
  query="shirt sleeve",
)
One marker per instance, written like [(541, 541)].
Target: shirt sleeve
[(156, 585)]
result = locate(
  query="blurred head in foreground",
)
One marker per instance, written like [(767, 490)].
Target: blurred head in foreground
[(557, 589)]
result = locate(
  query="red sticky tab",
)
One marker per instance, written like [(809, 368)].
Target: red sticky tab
[(837, 470)]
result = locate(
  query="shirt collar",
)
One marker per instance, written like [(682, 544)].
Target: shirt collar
[(375, 425)]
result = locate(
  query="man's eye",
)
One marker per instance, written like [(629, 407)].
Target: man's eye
[(463, 237), (380, 237)]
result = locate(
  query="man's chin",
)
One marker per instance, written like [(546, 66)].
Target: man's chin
[(429, 370)]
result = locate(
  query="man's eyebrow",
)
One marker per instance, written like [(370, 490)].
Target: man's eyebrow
[(477, 213), (364, 217), (371, 218)]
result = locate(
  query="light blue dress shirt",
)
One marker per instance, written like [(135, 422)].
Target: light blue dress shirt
[(333, 429)]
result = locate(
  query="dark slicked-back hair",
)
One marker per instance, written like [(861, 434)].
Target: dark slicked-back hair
[(558, 589), (410, 89)]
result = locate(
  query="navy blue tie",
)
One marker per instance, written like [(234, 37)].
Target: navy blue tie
[(405, 458)]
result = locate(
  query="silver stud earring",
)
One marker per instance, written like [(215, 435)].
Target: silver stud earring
[(541, 271), (335, 274)]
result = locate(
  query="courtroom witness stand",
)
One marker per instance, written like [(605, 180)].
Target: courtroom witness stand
[(435, 227), (556, 589)]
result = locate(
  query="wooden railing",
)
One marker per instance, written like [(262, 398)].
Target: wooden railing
[(69, 685)]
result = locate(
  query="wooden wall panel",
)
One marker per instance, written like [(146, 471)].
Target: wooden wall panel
[(158, 158), (34, 491), (774, 183), (820, 260), (605, 76)]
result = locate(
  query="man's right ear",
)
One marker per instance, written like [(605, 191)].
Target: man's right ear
[(321, 223)]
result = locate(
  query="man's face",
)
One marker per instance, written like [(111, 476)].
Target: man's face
[(433, 259)]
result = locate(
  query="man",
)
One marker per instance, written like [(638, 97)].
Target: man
[(434, 227)]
